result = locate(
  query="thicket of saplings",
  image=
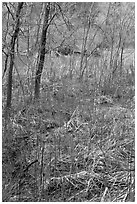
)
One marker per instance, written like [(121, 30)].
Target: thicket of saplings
[(76, 143)]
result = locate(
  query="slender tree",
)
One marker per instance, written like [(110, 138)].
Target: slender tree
[(12, 54), (42, 50)]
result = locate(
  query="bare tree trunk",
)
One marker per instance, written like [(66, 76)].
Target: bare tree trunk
[(84, 45), (116, 59), (12, 47), (42, 51), (121, 58)]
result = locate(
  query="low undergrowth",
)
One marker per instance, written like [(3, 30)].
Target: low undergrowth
[(70, 146)]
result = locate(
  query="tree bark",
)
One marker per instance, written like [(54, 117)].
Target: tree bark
[(42, 51), (12, 48)]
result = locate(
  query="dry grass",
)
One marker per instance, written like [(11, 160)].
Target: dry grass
[(73, 146)]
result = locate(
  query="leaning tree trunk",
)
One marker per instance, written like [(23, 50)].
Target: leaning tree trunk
[(42, 51), (12, 48)]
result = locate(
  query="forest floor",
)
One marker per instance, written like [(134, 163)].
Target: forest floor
[(72, 146)]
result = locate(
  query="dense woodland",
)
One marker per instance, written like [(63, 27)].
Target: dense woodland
[(68, 97)]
